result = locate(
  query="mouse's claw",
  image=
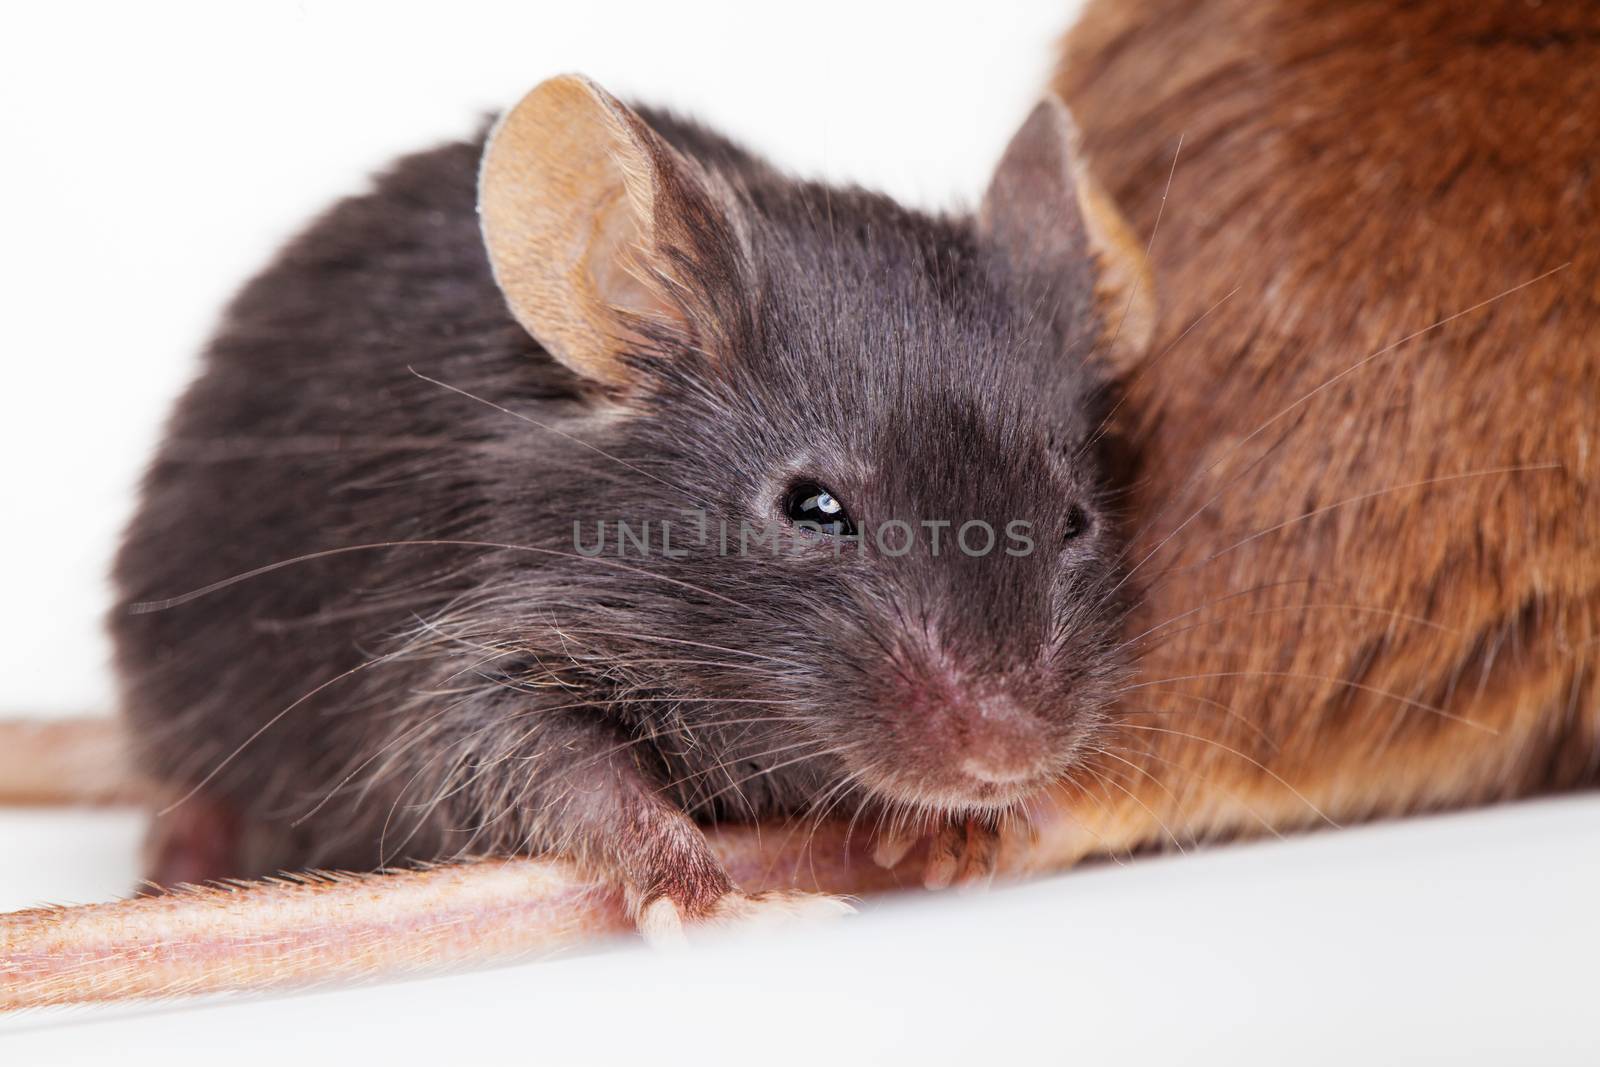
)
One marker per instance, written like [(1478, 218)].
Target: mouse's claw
[(963, 853), (892, 846), (982, 858), (660, 923)]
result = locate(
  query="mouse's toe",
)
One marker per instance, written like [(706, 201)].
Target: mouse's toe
[(963, 852), (893, 845), (661, 923), (960, 851)]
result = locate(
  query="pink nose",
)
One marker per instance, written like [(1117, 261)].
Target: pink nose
[(1005, 743)]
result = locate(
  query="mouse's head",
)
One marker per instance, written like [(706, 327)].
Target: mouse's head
[(892, 561)]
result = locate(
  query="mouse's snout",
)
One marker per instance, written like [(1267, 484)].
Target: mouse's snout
[(972, 742), (1005, 743)]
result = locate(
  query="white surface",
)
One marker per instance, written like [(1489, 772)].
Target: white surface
[(154, 156), (67, 857), (1460, 939)]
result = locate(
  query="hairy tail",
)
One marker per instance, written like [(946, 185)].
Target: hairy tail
[(320, 928), (316, 928), (297, 932)]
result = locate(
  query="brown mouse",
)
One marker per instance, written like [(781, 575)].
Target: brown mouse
[(1368, 503)]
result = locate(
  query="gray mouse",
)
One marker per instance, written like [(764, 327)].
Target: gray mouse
[(593, 480)]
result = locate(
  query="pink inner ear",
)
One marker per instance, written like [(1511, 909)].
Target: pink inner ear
[(618, 269)]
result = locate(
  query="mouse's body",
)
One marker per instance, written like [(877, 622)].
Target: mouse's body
[(414, 654), (1369, 504)]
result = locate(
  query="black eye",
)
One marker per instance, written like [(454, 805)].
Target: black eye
[(812, 503), (1077, 522)]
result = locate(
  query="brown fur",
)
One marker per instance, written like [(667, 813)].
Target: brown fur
[(1357, 173)]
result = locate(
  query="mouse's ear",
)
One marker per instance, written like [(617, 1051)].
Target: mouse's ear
[(604, 239), (1050, 217)]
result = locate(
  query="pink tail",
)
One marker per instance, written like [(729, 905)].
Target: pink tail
[(315, 930), (70, 761), (319, 929)]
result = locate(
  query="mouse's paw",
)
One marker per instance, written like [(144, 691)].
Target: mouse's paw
[(961, 851), (667, 922)]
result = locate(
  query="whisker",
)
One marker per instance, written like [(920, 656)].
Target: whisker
[(1348, 683), (1105, 421), (1208, 604), (682, 641), (1173, 765), (1360, 498), (552, 429), (1211, 704), (1155, 228), (1305, 398), (1108, 780), (147, 606), (264, 727), (1274, 775), (1158, 783)]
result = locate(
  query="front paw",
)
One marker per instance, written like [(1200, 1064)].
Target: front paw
[(962, 851), (665, 921)]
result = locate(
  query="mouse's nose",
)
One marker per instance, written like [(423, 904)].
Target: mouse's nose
[(973, 736), (1005, 742)]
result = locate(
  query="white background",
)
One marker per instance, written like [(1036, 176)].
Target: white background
[(154, 155)]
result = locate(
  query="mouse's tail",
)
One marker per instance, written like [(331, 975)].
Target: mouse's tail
[(309, 929), (314, 929), (64, 761)]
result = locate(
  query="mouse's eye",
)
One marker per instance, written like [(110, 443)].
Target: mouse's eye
[(1077, 522), (812, 503)]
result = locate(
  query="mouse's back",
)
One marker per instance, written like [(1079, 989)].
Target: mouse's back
[(1370, 507), (270, 456)]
